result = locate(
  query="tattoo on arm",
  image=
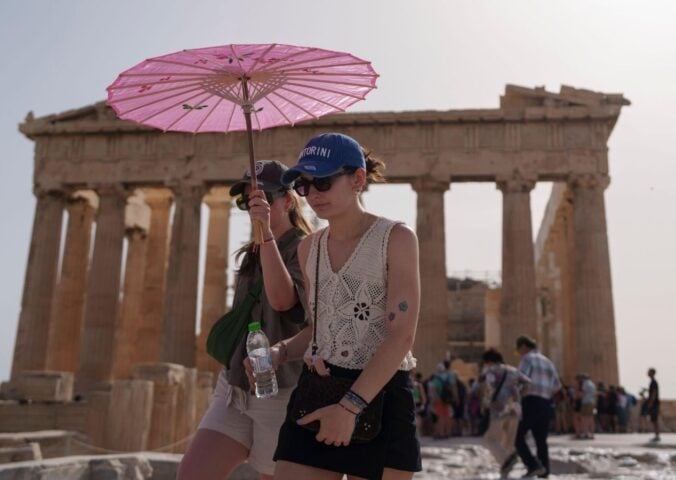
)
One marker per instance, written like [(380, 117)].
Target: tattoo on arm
[(391, 316), (403, 306)]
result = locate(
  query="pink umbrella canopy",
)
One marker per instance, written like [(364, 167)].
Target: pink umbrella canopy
[(213, 89)]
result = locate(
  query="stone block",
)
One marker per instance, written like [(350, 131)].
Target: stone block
[(8, 391), (20, 453), (45, 386), (52, 443), (668, 415), (27, 417), (166, 373), (167, 378), (96, 417), (186, 409), (129, 415)]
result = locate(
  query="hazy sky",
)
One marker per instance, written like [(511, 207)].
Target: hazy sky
[(431, 55)]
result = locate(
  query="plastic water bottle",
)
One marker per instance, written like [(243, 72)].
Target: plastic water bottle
[(258, 349)]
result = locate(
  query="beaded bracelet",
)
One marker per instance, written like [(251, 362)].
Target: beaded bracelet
[(356, 400)]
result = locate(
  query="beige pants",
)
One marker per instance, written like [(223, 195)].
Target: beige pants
[(500, 436), (251, 421)]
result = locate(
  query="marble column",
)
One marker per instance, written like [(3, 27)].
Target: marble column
[(63, 351), (103, 290), (30, 349), (518, 314), (149, 332), (431, 343), (215, 273), (126, 334), (180, 299), (593, 299)]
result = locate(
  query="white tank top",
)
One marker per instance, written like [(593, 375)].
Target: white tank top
[(352, 301)]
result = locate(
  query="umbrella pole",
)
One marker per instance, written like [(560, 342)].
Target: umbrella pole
[(247, 107)]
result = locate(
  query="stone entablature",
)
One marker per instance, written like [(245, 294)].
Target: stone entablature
[(534, 132)]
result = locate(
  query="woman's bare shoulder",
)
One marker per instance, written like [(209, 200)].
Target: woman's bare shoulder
[(402, 236)]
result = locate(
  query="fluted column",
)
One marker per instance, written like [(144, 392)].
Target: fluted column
[(126, 332), (593, 299), (149, 333), (63, 351), (178, 332), (215, 272), (30, 349), (431, 343), (103, 290), (518, 298)]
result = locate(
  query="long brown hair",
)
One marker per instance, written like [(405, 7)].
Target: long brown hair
[(248, 254)]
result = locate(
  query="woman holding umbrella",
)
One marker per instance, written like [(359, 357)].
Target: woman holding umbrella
[(239, 427), (364, 292)]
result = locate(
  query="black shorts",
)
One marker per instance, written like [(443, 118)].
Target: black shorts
[(396, 446)]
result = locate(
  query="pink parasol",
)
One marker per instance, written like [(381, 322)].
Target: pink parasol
[(203, 90)]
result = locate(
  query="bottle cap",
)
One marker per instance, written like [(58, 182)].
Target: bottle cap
[(254, 326)]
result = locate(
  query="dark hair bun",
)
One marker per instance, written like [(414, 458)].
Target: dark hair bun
[(374, 167)]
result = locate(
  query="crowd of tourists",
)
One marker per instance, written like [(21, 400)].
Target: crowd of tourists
[(580, 409), (505, 402)]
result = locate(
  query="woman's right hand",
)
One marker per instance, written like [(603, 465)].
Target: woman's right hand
[(259, 210)]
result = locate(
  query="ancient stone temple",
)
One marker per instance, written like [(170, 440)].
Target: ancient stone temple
[(116, 310)]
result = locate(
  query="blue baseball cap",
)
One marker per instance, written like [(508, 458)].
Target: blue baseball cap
[(325, 155)]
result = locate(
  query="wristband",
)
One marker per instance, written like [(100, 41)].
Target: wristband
[(268, 240), (356, 400), (356, 414)]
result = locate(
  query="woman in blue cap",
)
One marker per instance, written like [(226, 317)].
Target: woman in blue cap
[(363, 290)]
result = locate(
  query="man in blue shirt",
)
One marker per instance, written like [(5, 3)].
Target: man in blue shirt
[(536, 405)]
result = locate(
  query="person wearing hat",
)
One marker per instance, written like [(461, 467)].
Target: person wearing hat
[(362, 276), (238, 427), (536, 406)]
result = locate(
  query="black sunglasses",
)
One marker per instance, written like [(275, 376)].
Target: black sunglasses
[(322, 184), (243, 200)]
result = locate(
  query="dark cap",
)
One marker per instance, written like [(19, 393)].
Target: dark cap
[(268, 176), (526, 341)]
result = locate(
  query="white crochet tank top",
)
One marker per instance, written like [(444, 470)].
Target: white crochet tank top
[(352, 301)]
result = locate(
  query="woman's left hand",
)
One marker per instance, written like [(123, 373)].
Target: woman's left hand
[(336, 424), (259, 209)]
